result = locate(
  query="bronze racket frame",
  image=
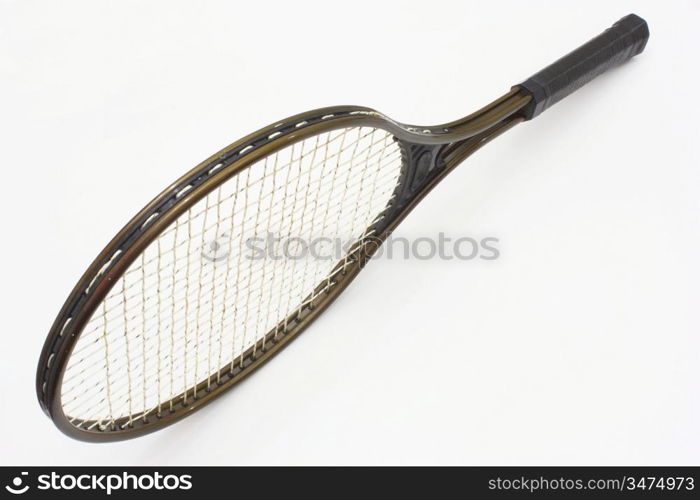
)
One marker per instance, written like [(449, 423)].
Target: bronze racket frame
[(428, 155)]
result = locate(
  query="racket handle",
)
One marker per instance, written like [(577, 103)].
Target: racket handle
[(624, 40)]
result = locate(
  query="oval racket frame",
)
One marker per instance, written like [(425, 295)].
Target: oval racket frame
[(428, 154)]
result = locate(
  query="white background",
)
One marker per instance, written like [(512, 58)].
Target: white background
[(580, 345)]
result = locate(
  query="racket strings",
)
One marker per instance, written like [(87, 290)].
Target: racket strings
[(201, 296), (150, 306), (136, 285)]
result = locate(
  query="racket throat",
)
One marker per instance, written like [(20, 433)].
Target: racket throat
[(422, 164)]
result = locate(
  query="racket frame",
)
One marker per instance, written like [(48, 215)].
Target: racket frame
[(445, 146)]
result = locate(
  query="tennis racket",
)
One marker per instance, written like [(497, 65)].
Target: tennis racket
[(175, 311)]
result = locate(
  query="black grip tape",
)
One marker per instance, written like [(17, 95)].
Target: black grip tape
[(624, 40)]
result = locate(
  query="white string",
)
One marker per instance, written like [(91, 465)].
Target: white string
[(176, 318)]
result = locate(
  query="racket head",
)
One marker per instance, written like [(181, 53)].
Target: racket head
[(99, 279), (421, 149)]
